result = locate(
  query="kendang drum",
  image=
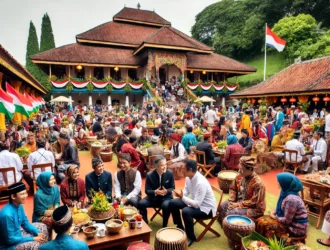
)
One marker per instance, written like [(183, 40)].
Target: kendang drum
[(235, 225), (225, 178), (139, 246), (170, 238)]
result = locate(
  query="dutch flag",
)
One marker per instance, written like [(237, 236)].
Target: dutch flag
[(272, 40)]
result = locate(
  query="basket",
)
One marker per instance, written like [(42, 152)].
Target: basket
[(114, 226), (129, 212), (106, 156)]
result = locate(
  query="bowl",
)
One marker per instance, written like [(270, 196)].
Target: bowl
[(90, 232), (129, 212), (113, 226)]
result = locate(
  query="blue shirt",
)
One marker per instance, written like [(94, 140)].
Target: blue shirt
[(188, 140), (102, 182), (64, 242), (12, 218)]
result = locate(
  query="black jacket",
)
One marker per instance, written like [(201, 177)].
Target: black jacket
[(70, 155), (207, 148), (152, 183)]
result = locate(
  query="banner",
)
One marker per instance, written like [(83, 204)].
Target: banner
[(192, 86), (136, 85), (218, 88), (118, 85), (100, 85), (206, 87), (79, 85), (231, 88), (59, 84)]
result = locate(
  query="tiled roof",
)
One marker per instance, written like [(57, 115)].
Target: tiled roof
[(216, 62), (308, 76), (11, 64), (122, 33), (169, 36), (78, 53), (139, 15)]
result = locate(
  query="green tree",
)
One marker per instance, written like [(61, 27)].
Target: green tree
[(32, 48), (297, 31), (318, 49)]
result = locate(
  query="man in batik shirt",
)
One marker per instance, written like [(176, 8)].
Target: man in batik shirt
[(246, 193)]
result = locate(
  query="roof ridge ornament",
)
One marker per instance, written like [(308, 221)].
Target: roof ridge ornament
[(138, 6)]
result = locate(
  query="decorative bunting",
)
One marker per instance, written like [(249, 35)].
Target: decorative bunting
[(194, 86), (136, 85), (59, 84), (118, 85), (206, 87), (231, 88), (100, 85), (79, 85), (218, 88)]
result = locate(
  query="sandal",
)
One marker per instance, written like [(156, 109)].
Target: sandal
[(320, 241)]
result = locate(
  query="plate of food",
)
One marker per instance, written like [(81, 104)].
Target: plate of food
[(80, 219)]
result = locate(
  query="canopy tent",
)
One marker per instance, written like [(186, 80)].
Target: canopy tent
[(61, 99), (205, 99)]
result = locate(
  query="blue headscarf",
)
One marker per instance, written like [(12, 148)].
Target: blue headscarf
[(232, 139), (46, 196), (290, 184)]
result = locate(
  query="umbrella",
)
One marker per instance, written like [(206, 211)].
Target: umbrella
[(61, 99), (205, 99)]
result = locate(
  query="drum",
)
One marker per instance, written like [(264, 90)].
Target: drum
[(170, 238), (106, 156), (225, 178), (96, 150), (139, 246), (235, 225)]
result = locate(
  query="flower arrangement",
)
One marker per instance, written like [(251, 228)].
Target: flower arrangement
[(23, 152), (100, 202)]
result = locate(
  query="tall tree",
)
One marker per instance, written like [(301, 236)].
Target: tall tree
[(47, 40), (31, 49)]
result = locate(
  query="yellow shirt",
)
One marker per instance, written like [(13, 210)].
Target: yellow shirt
[(277, 144)]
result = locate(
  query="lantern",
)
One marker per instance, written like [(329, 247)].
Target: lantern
[(326, 99), (316, 99), (191, 71), (79, 67), (204, 72), (283, 100), (292, 100), (259, 101), (248, 101), (253, 101), (116, 69)]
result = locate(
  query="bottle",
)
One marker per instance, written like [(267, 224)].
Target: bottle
[(115, 204), (138, 218)]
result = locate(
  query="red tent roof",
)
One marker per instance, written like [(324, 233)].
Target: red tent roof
[(140, 16), (308, 76)]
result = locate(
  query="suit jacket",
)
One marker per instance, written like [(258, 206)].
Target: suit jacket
[(207, 148), (152, 183), (156, 150)]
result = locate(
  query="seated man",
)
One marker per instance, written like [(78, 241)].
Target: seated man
[(201, 204), (246, 193), (206, 147), (319, 151), (8, 159), (189, 139), (155, 149), (99, 179), (178, 154), (62, 222), (129, 148), (144, 138), (159, 187), (246, 141), (13, 217), (127, 182), (124, 138)]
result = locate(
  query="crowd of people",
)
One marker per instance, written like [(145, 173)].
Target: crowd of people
[(55, 135)]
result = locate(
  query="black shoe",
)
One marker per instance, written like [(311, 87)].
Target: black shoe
[(190, 242)]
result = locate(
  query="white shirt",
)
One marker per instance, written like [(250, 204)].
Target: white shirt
[(181, 151), (210, 116), (190, 123), (321, 114), (137, 132), (321, 149), (8, 159), (294, 144), (39, 157), (143, 124), (137, 186), (327, 123), (202, 196)]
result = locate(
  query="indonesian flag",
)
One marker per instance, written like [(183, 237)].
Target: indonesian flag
[(21, 104), (272, 40), (7, 106), (35, 106)]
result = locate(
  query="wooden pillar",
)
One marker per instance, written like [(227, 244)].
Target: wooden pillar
[(17, 118), (2, 116), (50, 71)]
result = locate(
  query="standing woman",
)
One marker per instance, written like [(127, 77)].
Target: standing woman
[(73, 188), (46, 199)]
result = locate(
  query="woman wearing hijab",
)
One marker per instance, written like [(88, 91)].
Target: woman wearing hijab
[(73, 188), (46, 199), (290, 216), (233, 148)]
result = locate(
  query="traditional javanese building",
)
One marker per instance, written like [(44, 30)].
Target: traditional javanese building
[(108, 62)]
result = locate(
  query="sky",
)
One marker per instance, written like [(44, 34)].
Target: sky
[(72, 17)]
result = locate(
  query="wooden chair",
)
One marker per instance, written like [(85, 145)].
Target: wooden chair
[(158, 211), (208, 226), (4, 173), (201, 164), (315, 195), (293, 160), (42, 167)]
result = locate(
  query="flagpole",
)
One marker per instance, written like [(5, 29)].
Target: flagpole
[(265, 53)]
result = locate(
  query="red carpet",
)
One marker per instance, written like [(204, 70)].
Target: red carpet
[(268, 178)]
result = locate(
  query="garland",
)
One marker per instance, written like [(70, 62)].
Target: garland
[(99, 85), (194, 86)]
